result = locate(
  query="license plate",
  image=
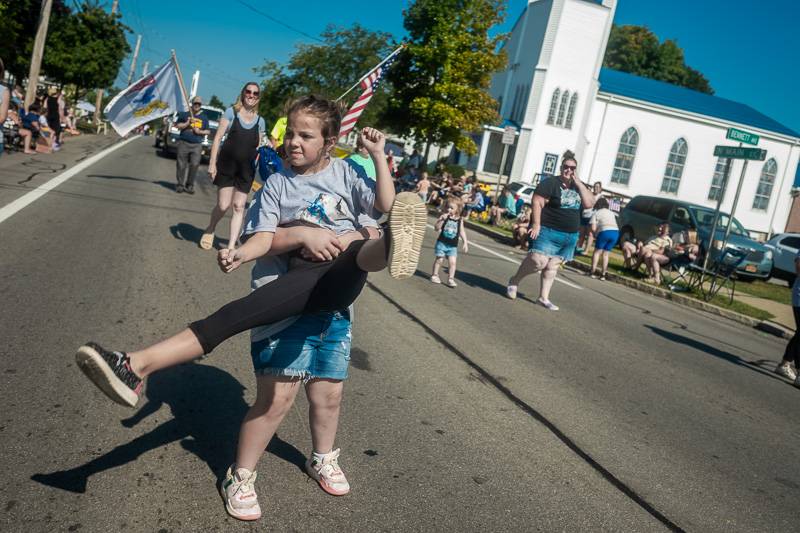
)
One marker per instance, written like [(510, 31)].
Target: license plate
[(750, 268)]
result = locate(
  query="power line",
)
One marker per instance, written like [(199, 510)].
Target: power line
[(279, 22)]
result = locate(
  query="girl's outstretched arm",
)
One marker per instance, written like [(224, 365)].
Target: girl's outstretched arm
[(254, 247), (374, 141)]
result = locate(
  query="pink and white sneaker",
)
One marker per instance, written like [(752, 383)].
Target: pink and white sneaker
[(511, 292), (547, 304), (328, 474), (239, 493)]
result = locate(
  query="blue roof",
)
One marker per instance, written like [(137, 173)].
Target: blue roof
[(666, 94)]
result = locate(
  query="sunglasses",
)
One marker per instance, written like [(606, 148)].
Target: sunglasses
[(251, 93), (196, 103), (568, 167)]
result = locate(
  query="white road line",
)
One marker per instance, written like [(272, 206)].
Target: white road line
[(516, 262), (11, 209)]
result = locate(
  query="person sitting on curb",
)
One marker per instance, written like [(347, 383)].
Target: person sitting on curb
[(505, 206), (520, 227), (476, 204)]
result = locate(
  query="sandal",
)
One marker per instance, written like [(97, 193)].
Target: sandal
[(207, 241)]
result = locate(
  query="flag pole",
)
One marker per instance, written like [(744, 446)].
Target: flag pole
[(180, 82), (399, 48)]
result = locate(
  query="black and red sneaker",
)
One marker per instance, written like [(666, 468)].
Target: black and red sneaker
[(111, 372)]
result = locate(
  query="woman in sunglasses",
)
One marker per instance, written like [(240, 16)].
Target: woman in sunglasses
[(231, 166), (553, 231)]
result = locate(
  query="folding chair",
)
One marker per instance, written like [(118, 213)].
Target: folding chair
[(675, 275), (721, 272)]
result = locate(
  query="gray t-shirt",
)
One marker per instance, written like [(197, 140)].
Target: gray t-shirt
[(335, 198), (230, 114)]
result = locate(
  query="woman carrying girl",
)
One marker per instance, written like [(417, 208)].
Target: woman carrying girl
[(450, 227), (311, 351), (231, 168), (313, 189)]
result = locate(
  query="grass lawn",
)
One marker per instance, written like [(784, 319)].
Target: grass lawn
[(763, 289), (720, 300)]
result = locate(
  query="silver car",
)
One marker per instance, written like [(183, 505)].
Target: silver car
[(784, 248)]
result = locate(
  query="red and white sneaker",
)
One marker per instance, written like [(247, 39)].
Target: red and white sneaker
[(328, 474), (239, 493)]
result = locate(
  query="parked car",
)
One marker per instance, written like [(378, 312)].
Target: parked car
[(644, 213), (168, 135), (522, 190), (784, 247)]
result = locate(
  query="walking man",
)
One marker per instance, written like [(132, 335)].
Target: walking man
[(193, 126)]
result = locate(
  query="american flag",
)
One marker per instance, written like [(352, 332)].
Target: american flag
[(368, 84)]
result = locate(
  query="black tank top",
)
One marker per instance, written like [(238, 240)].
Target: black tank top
[(449, 233), (240, 145)]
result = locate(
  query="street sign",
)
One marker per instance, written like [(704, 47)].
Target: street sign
[(742, 136), (738, 152), (509, 134)]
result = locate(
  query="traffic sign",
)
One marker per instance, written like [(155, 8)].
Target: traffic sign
[(742, 136), (739, 152), (509, 134)]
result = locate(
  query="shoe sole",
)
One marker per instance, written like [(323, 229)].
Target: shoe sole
[(231, 511), (205, 242), (407, 221), (324, 486), (97, 370)]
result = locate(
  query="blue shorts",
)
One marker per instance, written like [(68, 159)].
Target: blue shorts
[(606, 239), (554, 243), (445, 250), (315, 346)]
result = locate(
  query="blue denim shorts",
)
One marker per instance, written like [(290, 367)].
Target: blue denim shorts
[(445, 250), (607, 239), (554, 243), (315, 346)]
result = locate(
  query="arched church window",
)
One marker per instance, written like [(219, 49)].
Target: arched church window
[(626, 153), (675, 164), (571, 110), (551, 117), (562, 108), (765, 183)]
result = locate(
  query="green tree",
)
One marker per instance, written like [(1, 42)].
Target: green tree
[(327, 69), (637, 50), (19, 20), (215, 101), (86, 48), (441, 80)]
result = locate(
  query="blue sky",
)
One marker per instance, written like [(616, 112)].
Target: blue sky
[(746, 49)]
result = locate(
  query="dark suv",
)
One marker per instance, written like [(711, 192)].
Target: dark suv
[(644, 213)]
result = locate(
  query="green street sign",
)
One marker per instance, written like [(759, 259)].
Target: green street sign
[(739, 152), (742, 136)]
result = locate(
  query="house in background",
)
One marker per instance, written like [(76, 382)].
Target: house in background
[(632, 134)]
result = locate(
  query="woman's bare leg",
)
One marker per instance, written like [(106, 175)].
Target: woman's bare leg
[(549, 277), (533, 263), (237, 216), (224, 198)]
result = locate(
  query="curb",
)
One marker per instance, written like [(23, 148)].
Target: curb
[(767, 326)]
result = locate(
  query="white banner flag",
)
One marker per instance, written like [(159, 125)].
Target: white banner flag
[(151, 97)]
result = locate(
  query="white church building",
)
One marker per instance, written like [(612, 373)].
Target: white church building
[(634, 135)]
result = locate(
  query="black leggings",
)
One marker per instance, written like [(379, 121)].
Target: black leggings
[(793, 348), (308, 287)]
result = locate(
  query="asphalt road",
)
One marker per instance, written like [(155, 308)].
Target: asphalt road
[(464, 411)]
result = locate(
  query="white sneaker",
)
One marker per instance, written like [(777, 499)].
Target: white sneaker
[(328, 473), (511, 292), (451, 283), (785, 369), (407, 220), (239, 494), (547, 304), (797, 382), (436, 279)]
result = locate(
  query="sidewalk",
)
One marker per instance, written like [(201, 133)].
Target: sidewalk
[(781, 324)]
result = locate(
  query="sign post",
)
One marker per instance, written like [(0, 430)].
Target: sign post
[(732, 152), (509, 136)]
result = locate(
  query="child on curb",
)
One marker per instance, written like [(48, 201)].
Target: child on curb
[(312, 351), (313, 189), (450, 227)]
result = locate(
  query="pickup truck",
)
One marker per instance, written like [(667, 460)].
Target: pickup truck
[(167, 136)]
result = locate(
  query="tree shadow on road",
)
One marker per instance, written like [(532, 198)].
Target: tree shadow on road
[(762, 366), (207, 407)]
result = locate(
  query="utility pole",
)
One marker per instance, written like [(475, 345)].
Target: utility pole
[(145, 68), (38, 51), (99, 100), (133, 61)]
